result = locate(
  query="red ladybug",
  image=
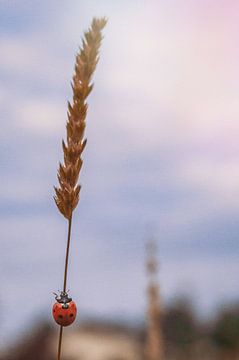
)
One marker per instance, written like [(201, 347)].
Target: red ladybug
[(64, 310)]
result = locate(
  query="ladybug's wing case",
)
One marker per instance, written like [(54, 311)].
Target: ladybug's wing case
[(63, 316)]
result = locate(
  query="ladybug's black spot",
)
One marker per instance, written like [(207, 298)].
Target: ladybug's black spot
[(60, 316), (71, 315)]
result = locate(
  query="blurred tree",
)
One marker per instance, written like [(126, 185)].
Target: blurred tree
[(34, 347), (179, 324), (225, 332)]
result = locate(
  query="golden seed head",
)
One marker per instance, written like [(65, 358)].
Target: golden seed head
[(67, 194)]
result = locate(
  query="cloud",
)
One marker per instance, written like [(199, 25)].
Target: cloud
[(165, 86), (26, 58), (217, 181), (41, 116)]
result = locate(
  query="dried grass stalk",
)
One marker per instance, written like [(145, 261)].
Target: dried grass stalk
[(154, 347), (67, 194)]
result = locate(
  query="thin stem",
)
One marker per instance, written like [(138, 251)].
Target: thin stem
[(59, 344), (67, 253), (65, 281)]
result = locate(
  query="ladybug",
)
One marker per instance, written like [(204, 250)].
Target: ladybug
[(64, 310)]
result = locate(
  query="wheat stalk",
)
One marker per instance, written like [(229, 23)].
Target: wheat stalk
[(68, 192), (154, 341)]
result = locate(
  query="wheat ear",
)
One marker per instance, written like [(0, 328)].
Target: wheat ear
[(67, 194)]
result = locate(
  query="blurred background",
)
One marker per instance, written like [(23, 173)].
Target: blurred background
[(162, 160)]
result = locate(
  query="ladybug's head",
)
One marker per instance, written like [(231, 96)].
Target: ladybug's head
[(63, 298)]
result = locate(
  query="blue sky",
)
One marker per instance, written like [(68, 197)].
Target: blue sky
[(162, 155)]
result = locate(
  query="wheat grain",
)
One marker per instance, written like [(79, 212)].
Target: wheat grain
[(67, 194)]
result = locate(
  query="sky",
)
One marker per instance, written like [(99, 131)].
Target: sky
[(162, 157)]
